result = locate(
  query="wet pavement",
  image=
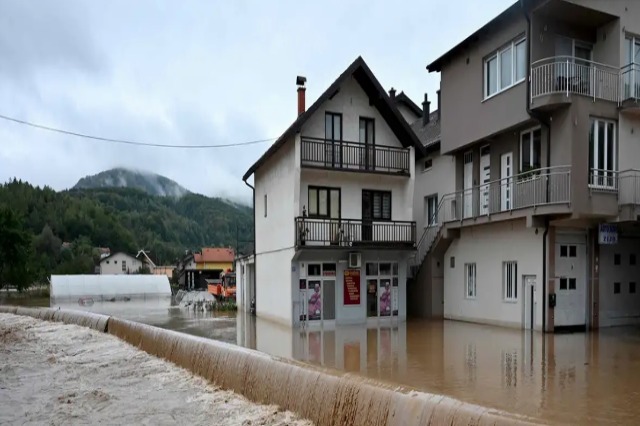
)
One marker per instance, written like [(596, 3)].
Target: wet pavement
[(581, 378)]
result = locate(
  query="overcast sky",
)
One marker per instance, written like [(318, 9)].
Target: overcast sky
[(196, 72)]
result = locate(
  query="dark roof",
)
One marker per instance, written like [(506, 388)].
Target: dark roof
[(378, 98), (402, 98), (511, 11), (428, 134)]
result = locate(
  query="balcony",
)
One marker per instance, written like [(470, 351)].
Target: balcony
[(335, 233), (354, 157), (547, 189), (554, 80), (630, 86)]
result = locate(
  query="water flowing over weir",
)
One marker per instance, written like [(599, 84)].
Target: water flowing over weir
[(324, 396)]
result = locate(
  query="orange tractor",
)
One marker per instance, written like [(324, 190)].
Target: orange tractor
[(226, 288)]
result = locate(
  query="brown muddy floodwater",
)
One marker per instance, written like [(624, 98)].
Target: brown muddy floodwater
[(580, 378)]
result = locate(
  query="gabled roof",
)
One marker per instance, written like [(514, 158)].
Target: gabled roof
[(402, 98), (145, 256), (378, 97), (113, 254), (509, 13), (428, 134), (210, 254)]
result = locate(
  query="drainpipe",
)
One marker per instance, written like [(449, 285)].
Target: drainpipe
[(255, 258), (546, 122)]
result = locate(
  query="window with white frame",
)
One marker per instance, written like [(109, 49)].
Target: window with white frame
[(510, 281), (530, 149), (431, 207), (428, 163), (470, 280), (505, 67), (603, 164)]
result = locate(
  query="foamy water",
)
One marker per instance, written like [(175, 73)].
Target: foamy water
[(51, 373)]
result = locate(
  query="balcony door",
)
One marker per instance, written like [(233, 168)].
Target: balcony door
[(468, 185), (485, 177), (367, 159), (324, 204), (506, 181), (603, 153), (333, 139), (574, 65), (376, 206)]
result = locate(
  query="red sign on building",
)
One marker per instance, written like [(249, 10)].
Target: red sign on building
[(352, 287)]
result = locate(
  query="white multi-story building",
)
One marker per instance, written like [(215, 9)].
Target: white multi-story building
[(333, 207)]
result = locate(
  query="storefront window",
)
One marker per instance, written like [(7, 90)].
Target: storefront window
[(317, 294), (382, 289)]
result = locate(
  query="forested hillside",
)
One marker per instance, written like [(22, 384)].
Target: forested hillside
[(119, 218)]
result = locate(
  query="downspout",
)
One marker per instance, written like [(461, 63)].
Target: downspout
[(255, 258), (546, 122)]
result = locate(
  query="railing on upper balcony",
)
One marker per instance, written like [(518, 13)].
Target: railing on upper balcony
[(545, 186), (630, 83), (569, 75), (354, 156), (354, 232)]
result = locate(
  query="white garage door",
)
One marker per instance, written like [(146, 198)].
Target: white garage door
[(571, 280)]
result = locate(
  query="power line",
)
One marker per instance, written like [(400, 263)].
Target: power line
[(123, 141)]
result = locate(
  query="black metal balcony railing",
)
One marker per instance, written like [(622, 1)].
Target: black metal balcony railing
[(354, 233), (354, 156)]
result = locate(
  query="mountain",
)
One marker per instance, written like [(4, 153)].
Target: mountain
[(122, 219), (150, 183)]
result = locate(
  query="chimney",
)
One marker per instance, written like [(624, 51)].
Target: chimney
[(426, 110), (300, 80), (439, 105), (392, 94)]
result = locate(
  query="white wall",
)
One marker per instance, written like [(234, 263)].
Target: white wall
[(440, 180), (488, 246), (245, 276), (622, 308), (113, 264), (353, 103), (352, 184), (408, 115)]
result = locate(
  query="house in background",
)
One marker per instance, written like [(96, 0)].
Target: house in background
[(539, 111), (333, 208), (120, 263), (196, 268)]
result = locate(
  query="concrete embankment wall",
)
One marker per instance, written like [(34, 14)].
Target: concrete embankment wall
[(324, 396)]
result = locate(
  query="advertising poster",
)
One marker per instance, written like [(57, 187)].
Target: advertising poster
[(351, 287), (314, 299), (385, 298), (303, 300)]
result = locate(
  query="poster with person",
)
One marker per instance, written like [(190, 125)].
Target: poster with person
[(314, 307), (385, 298)]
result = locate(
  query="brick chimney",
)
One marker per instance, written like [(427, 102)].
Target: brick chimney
[(426, 110), (300, 81), (392, 94)]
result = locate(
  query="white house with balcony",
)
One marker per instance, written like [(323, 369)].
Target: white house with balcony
[(333, 206)]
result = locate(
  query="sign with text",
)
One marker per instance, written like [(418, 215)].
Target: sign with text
[(352, 286), (607, 234)]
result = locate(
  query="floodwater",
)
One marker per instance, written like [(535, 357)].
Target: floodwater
[(58, 374), (580, 378)]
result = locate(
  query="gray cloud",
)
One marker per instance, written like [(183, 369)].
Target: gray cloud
[(195, 72)]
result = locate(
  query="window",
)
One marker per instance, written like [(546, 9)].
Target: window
[(505, 68), (333, 126), (616, 259), (563, 283), (431, 207), (107, 262), (324, 202), (124, 266), (367, 131), (367, 156), (265, 205), (510, 281), (563, 251), (572, 251), (376, 205), (616, 288), (314, 270), (115, 262), (632, 259), (470, 280), (452, 262), (428, 163), (632, 287), (530, 150), (572, 283), (602, 153)]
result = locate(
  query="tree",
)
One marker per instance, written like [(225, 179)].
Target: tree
[(15, 251)]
